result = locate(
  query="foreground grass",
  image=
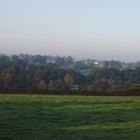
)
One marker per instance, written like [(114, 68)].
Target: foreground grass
[(40, 117)]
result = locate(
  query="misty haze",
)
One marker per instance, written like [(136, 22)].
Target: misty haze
[(81, 29)]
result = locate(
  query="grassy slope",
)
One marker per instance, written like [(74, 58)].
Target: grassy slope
[(34, 117)]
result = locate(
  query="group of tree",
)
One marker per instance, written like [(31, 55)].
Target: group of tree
[(66, 74)]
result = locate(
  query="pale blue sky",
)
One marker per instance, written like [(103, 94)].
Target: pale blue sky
[(102, 29)]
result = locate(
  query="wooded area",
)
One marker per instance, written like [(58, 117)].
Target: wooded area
[(36, 72)]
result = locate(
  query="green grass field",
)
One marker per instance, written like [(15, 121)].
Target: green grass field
[(42, 117)]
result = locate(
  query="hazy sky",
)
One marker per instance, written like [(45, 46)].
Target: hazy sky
[(102, 29)]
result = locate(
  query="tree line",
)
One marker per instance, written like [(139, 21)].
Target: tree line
[(66, 74)]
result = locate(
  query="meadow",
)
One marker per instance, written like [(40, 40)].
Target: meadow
[(50, 117)]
